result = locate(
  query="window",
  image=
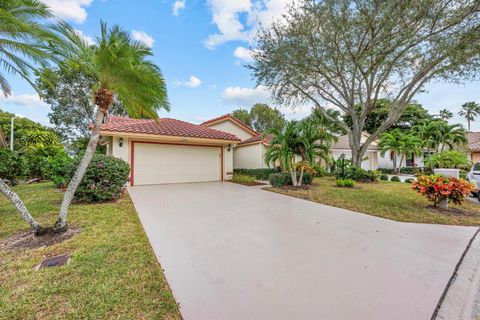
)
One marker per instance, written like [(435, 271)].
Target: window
[(410, 161)]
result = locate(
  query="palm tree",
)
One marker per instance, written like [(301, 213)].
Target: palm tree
[(24, 43), (328, 131), (451, 135), (120, 68), (445, 114), (411, 145), (392, 142), (470, 110)]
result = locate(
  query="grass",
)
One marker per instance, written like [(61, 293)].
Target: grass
[(391, 200), (241, 178), (112, 274)]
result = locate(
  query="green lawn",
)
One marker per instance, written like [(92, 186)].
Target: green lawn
[(113, 273), (391, 200)]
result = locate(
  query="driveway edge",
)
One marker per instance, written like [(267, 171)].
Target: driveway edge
[(461, 297)]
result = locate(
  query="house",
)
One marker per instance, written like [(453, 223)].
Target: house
[(173, 151), (473, 146), (373, 160), (250, 152)]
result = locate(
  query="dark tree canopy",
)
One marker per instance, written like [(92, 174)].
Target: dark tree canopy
[(349, 53), (413, 114), (69, 93), (261, 117)]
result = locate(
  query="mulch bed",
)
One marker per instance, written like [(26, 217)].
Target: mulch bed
[(452, 211), (251, 184), (303, 187), (28, 240)]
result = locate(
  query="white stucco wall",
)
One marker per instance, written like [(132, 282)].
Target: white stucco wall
[(387, 163), (230, 127), (249, 157), (120, 152)]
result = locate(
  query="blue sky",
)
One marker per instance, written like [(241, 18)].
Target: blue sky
[(201, 48)]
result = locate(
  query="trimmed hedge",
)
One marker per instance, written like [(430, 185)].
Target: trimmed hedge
[(104, 179), (384, 177), (259, 174), (361, 175), (409, 180), (395, 179), (385, 170)]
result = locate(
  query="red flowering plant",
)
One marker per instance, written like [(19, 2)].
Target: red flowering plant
[(439, 188)]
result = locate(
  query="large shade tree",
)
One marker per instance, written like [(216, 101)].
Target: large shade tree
[(261, 117), (347, 53), (25, 42)]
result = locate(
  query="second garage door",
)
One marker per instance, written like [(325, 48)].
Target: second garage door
[(165, 163)]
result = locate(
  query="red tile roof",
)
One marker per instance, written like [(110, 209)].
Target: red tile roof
[(164, 126), (229, 116), (264, 138), (473, 141)]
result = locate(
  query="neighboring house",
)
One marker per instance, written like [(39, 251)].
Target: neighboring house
[(372, 158), (473, 147), (169, 151), (250, 152)]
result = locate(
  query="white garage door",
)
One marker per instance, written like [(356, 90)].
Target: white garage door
[(163, 163)]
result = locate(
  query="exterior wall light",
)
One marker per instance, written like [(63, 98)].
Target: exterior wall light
[(229, 147), (120, 142)]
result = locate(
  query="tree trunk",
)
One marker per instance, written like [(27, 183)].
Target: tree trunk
[(300, 179), (61, 224), (293, 172), (394, 158), (19, 205), (400, 164)]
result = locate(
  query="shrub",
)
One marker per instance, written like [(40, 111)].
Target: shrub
[(345, 183), (307, 178), (395, 179), (409, 180), (306, 168), (385, 170), (33, 165), (321, 172), (278, 180), (438, 188), (10, 165), (240, 178), (58, 169), (361, 175), (383, 177), (259, 174), (449, 159), (104, 179)]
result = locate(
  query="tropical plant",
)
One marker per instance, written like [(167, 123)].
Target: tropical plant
[(25, 42), (345, 183), (298, 139), (445, 114), (453, 159), (393, 143), (411, 145), (39, 139), (119, 67), (470, 110), (351, 53), (438, 189)]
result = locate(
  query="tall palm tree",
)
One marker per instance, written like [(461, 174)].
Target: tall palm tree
[(120, 68), (25, 39), (470, 110), (451, 135), (328, 131), (393, 143), (411, 145), (445, 114)]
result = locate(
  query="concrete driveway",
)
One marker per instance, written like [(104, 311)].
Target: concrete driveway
[(233, 252)]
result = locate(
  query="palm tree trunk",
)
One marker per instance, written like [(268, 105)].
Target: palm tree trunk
[(61, 224), (293, 172), (300, 179), (394, 156), (19, 205), (468, 122)]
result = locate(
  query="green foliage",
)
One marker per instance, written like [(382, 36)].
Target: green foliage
[(448, 159), (361, 175), (261, 118), (383, 177), (409, 180), (278, 180), (104, 179), (395, 179), (470, 110), (320, 171), (58, 169), (386, 170), (10, 165), (240, 178), (345, 183), (259, 174), (39, 139)]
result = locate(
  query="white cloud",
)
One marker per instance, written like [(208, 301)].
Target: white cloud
[(143, 37), (239, 20), (69, 9), (177, 6), (246, 96), (25, 100), (192, 82), (243, 54), (88, 40), (226, 16)]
